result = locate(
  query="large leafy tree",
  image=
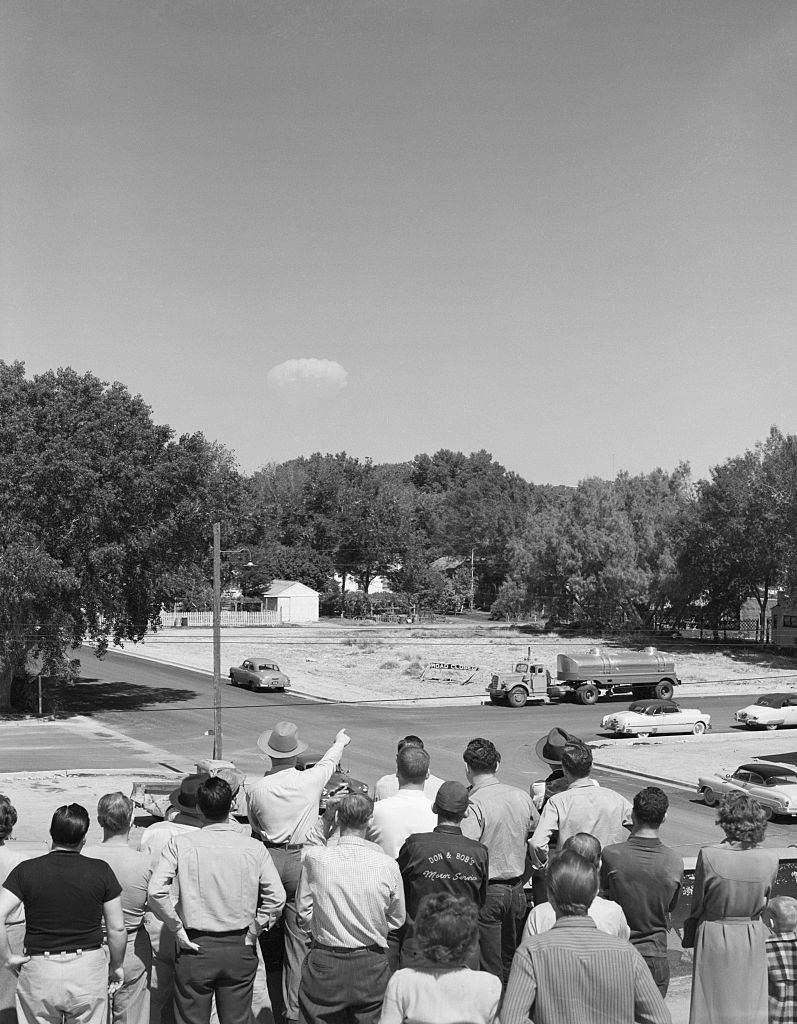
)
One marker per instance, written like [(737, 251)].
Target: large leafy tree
[(101, 511), (606, 551), (740, 539), (346, 510), (471, 504)]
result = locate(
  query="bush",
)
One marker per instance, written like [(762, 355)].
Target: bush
[(388, 665)]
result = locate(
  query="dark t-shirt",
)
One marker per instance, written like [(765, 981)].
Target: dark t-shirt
[(63, 893), (443, 861), (644, 877)]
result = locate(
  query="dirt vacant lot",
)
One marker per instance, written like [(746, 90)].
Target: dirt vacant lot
[(339, 661)]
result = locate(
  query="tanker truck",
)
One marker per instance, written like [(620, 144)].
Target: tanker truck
[(647, 673)]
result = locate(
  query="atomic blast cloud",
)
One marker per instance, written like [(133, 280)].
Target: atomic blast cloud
[(306, 382)]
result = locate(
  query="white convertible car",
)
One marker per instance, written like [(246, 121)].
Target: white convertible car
[(656, 718), (773, 785), (770, 711)]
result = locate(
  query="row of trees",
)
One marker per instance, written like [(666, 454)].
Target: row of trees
[(105, 516)]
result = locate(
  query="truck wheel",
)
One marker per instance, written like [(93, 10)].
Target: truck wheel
[(587, 694), (663, 689), (516, 697)]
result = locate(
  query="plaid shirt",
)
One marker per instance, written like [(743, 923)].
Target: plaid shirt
[(350, 894), (782, 968)]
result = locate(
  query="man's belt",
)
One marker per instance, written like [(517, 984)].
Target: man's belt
[(350, 949), (506, 881), (282, 846), (63, 952), (196, 933)]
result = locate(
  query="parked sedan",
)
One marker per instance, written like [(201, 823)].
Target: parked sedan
[(769, 712), (773, 785), (656, 718), (259, 674)]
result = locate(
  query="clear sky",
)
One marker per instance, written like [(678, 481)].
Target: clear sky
[(563, 231)]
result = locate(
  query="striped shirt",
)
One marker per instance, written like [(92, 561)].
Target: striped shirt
[(576, 973), (350, 894)]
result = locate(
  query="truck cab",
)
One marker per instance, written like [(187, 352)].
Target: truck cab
[(527, 681)]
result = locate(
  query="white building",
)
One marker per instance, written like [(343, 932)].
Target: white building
[(293, 602)]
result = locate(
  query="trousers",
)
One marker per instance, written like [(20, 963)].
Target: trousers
[(285, 945), (500, 926), (224, 968), (343, 986), (69, 989), (130, 1003)]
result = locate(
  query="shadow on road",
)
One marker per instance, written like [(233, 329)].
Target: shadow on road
[(94, 697)]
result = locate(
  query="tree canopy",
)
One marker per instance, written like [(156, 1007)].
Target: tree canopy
[(99, 509)]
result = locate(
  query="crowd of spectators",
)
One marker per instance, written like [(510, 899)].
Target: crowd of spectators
[(440, 903)]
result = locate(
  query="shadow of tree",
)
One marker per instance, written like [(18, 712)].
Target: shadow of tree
[(93, 697)]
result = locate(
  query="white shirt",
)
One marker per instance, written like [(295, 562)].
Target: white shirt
[(283, 807), (388, 785), (399, 816), (607, 915)]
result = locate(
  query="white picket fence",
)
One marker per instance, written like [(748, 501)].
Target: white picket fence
[(176, 620)]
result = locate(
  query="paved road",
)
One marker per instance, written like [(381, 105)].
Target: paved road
[(172, 709)]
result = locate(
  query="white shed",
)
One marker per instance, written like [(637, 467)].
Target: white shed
[(293, 602)]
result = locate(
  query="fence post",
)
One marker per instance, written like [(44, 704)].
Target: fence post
[(39, 678)]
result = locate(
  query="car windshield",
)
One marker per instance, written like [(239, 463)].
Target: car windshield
[(521, 666), (771, 702)]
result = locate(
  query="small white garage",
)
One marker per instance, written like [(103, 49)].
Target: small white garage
[(293, 602)]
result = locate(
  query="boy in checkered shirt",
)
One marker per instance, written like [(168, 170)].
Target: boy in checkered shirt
[(782, 960)]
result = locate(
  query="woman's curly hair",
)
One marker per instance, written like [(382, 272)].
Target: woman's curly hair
[(8, 817), (742, 818), (446, 928)]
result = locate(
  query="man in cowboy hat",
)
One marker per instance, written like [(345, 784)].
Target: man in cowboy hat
[(549, 750), (580, 807), (283, 808)]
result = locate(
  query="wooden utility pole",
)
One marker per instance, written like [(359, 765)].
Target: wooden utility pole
[(217, 641)]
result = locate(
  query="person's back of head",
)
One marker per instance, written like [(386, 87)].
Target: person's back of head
[(69, 825), (354, 813), (412, 766), (572, 884), (783, 914), (115, 813), (8, 818), (446, 928), (409, 741), (481, 757), (214, 799), (577, 760), (585, 845), (650, 807)]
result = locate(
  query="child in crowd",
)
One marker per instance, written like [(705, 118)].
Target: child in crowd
[(440, 989), (782, 960)]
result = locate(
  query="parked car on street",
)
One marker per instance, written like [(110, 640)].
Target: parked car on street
[(773, 785), (769, 712), (656, 718), (259, 673)]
